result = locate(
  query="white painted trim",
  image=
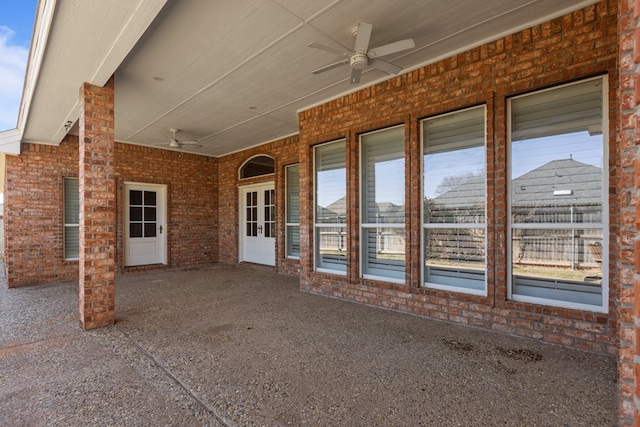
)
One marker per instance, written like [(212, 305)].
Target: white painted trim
[(41, 31), (10, 142)]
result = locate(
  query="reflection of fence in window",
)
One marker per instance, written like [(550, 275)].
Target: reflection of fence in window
[(570, 248), (332, 240), (583, 213), (390, 242), (455, 246)]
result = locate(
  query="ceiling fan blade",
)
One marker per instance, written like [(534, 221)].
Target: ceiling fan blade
[(362, 37), (330, 66), (328, 48), (390, 48), (192, 143), (355, 75), (385, 66)]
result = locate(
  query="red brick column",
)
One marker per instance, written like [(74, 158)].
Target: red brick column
[(97, 206), (630, 21), (629, 259)]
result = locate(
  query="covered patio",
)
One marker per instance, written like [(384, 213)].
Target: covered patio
[(232, 345)]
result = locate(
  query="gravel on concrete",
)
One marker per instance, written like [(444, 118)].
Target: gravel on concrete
[(234, 346)]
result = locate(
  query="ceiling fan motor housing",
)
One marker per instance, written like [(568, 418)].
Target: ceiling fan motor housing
[(358, 61)]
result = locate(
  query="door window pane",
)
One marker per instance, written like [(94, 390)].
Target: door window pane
[(149, 214), (135, 197), (135, 213), (252, 214), (135, 230), (269, 214), (150, 230), (150, 198)]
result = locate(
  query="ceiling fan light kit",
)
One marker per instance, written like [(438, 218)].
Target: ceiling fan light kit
[(362, 57)]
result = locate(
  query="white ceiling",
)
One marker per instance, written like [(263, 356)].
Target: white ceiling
[(233, 74)]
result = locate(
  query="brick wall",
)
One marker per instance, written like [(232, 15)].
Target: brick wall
[(33, 207), (629, 275), (33, 213), (575, 46), (284, 152), (192, 200)]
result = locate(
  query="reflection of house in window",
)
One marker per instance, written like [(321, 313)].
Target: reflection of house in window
[(561, 191), (390, 241), (333, 238), (463, 204)]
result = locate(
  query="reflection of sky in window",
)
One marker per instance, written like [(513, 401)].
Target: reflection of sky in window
[(389, 178), (331, 185), (529, 154), (444, 164)]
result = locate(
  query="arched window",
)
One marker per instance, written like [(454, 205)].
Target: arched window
[(257, 166)]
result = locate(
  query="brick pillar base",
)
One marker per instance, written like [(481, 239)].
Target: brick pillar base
[(97, 207)]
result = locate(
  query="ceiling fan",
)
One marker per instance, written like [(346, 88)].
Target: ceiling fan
[(175, 143), (362, 56)]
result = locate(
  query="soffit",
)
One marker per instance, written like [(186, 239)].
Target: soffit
[(231, 74)]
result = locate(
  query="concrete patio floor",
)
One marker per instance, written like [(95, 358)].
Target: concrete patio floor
[(233, 346)]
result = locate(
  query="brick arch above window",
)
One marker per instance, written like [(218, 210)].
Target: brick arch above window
[(257, 166)]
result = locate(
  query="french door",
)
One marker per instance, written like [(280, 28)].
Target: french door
[(258, 224)]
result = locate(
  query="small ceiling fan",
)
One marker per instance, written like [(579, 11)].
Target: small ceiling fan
[(175, 143), (362, 56)]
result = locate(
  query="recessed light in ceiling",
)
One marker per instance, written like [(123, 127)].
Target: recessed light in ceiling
[(253, 107), (158, 79)]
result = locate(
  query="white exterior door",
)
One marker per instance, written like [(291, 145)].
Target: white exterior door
[(145, 228), (258, 224)]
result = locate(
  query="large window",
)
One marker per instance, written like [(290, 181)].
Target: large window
[(293, 211), (558, 200), (71, 218), (454, 194), (330, 207), (382, 195)]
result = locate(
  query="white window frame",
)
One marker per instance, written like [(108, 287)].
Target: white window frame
[(318, 226), (364, 226), (424, 226), (288, 224), (604, 308), (68, 225)]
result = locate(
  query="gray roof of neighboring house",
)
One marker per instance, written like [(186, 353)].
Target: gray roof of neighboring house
[(550, 183), (387, 210), (557, 183)]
